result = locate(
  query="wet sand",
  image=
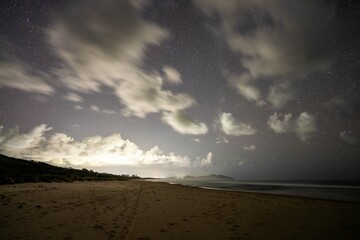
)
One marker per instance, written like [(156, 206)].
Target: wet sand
[(146, 210)]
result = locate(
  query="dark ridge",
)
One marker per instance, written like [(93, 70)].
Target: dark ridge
[(209, 177), (204, 178), (13, 170)]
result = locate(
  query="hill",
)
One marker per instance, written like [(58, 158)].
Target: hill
[(13, 170), (212, 177), (209, 177)]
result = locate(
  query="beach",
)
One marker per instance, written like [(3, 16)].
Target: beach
[(151, 210)]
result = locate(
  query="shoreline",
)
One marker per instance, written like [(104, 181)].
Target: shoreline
[(159, 210), (355, 201)]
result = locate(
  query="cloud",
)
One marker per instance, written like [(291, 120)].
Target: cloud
[(172, 75), (304, 126), (95, 151), (349, 138), (339, 107), (108, 50), (73, 97), (145, 95), (183, 124), (204, 162), (16, 74), (207, 161), (109, 111), (113, 30), (280, 94), (231, 127), (11, 140), (95, 108), (221, 140), (282, 40), (249, 147), (281, 126), (247, 89)]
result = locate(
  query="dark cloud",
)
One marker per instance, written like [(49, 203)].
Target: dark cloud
[(340, 107), (282, 40), (348, 137)]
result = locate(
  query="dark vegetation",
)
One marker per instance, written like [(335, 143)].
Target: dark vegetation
[(13, 170)]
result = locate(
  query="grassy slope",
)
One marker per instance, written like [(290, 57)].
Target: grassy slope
[(13, 170)]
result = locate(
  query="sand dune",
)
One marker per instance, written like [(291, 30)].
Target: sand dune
[(146, 210)]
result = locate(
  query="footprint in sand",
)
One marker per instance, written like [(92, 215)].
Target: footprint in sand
[(260, 223), (99, 227)]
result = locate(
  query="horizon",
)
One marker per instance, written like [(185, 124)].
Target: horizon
[(182, 177), (246, 89)]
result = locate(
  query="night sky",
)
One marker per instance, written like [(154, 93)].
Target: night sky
[(251, 89)]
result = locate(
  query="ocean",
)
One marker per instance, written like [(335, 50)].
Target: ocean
[(342, 191)]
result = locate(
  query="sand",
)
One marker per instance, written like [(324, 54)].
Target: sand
[(146, 210)]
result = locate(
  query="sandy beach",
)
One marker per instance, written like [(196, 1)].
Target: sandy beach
[(147, 210)]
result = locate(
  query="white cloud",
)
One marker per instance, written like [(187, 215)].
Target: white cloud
[(281, 126), (113, 31), (231, 127), (347, 137), (221, 140), (304, 126), (108, 50), (96, 151), (207, 161), (95, 108), (73, 97), (172, 75), (11, 140), (145, 95), (249, 147), (183, 124), (203, 162), (246, 88), (16, 74)]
